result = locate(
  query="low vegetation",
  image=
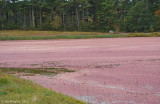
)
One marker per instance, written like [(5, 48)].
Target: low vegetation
[(40, 35), (14, 90), (33, 71), (155, 34)]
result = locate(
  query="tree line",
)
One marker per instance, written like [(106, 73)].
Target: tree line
[(81, 15)]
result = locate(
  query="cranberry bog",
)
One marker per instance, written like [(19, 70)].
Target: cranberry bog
[(105, 71)]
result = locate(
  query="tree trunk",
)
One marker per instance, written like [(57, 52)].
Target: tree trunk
[(87, 15), (64, 22), (122, 15), (30, 17), (2, 23), (83, 15), (24, 21), (40, 16), (72, 17), (77, 15), (147, 12), (51, 15), (33, 18)]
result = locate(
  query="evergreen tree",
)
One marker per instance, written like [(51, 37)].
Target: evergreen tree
[(137, 20), (81, 15)]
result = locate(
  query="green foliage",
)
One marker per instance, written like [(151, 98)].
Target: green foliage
[(11, 26), (157, 22), (46, 26), (4, 81), (137, 19), (104, 15), (86, 26), (56, 23), (108, 16)]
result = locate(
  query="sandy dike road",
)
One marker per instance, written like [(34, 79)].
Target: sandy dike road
[(108, 71)]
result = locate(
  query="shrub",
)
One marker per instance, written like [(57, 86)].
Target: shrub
[(86, 26), (11, 26), (56, 23), (46, 26)]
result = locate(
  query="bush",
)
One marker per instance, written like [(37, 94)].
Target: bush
[(11, 26), (46, 26), (157, 22), (86, 26), (56, 23)]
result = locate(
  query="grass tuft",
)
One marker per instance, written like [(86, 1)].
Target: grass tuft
[(33, 71), (20, 91)]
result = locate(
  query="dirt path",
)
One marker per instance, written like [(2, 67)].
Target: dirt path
[(108, 71)]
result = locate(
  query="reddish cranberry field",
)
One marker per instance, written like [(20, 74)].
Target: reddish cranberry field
[(107, 71)]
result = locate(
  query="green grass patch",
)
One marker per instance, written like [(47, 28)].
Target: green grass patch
[(155, 34), (42, 35), (14, 90), (59, 37), (33, 71)]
